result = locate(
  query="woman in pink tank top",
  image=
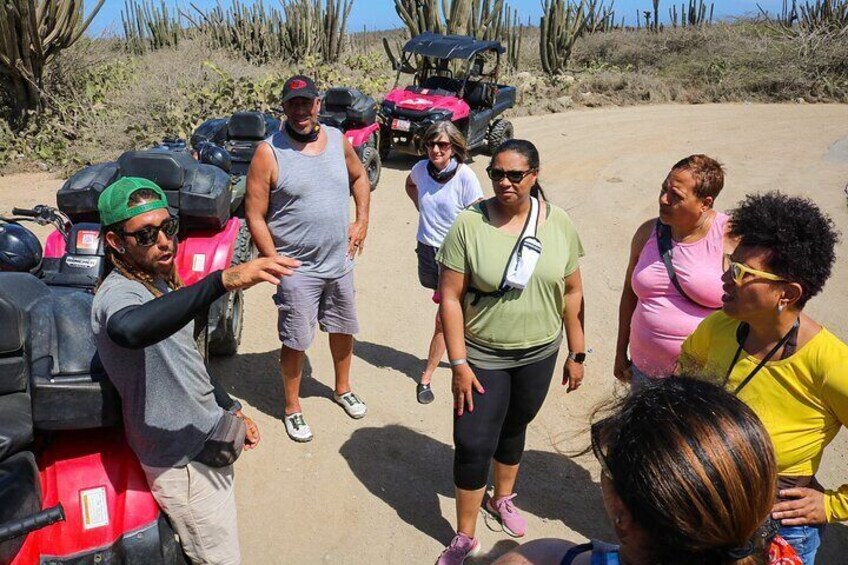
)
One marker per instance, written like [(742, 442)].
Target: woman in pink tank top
[(656, 315)]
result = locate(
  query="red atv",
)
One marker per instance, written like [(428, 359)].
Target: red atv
[(212, 235), (67, 495), (344, 108), (455, 79)]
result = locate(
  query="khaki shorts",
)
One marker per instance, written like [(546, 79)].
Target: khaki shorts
[(304, 301), (200, 502)]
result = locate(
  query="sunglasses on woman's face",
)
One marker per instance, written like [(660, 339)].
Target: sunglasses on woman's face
[(442, 145), (148, 235), (738, 272), (514, 177)]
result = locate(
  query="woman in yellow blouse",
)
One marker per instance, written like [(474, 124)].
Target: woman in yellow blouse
[(789, 369)]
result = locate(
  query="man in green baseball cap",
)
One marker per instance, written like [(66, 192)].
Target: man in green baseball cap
[(185, 431)]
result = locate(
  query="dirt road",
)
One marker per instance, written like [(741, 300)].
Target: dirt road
[(379, 490)]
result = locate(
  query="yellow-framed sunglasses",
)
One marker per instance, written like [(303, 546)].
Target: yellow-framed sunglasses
[(738, 272)]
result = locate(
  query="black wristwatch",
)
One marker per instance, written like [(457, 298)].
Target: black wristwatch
[(577, 357)]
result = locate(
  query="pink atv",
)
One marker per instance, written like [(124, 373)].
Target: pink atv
[(211, 237), (472, 99), (344, 108)]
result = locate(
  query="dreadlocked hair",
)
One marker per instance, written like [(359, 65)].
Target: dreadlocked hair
[(173, 280)]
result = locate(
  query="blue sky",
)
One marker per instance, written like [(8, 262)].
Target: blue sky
[(380, 14)]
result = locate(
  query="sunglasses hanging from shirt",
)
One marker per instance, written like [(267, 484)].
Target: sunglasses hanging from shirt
[(523, 259)]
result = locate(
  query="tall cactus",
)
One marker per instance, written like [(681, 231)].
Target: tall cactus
[(148, 26), (561, 25), (33, 32)]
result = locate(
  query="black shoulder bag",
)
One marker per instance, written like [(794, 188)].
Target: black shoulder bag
[(665, 246)]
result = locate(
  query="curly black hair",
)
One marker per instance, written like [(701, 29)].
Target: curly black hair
[(800, 238)]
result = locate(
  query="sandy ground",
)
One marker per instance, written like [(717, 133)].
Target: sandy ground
[(379, 490)]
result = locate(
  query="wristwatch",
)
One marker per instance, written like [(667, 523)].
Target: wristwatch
[(577, 357)]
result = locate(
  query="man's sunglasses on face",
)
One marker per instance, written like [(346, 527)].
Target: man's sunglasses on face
[(148, 235)]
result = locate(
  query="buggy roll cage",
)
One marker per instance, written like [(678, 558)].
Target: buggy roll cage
[(437, 50)]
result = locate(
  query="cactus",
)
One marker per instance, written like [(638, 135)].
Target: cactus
[(695, 15), (33, 32), (263, 34), (147, 26), (561, 24)]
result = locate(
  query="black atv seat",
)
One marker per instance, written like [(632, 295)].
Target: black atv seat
[(67, 382), (247, 126), (201, 194), (347, 108), (479, 94), (15, 406)]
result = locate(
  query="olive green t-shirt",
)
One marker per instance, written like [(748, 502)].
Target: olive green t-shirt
[(520, 319)]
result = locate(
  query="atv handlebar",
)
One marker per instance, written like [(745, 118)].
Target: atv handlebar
[(26, 212), (31, 523)]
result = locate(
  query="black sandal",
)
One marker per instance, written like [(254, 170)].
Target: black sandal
[(424, 394)]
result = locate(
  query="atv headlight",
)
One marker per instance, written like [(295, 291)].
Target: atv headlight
[(441, 116)]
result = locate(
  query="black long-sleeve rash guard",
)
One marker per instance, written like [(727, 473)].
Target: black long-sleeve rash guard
[(137, 327)]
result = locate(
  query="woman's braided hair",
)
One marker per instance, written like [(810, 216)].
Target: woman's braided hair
[(117, 262)]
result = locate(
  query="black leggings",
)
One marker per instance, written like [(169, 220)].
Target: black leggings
[(497, 427)]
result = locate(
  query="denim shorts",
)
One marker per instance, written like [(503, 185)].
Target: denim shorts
[(805, 540)]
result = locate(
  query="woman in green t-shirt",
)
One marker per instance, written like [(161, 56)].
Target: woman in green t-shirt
[(503, 345)]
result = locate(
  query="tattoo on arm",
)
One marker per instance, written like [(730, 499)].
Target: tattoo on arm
[(232, 279)]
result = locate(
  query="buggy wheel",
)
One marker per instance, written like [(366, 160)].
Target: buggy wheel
[(500, 131), (373, 165)]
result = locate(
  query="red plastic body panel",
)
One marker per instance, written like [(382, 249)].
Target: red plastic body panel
[(422, 101), (97, 479), (201, 252), (54, 246), (198, 253), (359, 137)]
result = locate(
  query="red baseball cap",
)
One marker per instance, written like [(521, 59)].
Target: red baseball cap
[(299, 86)]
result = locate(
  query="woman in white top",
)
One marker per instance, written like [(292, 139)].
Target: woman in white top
[(440, 186)]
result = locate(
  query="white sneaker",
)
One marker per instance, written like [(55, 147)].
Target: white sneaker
[(297, 428), (354, 407)]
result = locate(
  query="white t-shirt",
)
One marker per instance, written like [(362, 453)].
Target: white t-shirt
[(439, 204)]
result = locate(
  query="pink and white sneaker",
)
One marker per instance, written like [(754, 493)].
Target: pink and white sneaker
[(505, 513), (461, 548)]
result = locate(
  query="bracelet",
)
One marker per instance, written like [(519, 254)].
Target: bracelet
[(458, 362)]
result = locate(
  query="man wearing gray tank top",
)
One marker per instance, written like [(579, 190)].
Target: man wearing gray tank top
[(298, 186)]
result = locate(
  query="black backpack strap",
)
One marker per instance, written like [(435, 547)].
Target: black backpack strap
[(572, 553), (664, 245)]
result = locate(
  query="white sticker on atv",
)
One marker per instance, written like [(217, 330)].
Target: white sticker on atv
[(95, 511), (198, 262), (81, 262)]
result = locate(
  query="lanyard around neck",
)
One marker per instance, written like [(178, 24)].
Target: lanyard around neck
[(790, 339)]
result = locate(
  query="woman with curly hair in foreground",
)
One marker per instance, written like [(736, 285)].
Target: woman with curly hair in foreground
[(791, 371), (688, 476)]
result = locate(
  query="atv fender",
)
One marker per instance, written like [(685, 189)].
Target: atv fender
[(203, 252), (359, 137)]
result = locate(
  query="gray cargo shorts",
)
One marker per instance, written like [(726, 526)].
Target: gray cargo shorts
[(303, 300)]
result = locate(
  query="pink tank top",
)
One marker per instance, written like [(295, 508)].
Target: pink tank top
[(663, 318)]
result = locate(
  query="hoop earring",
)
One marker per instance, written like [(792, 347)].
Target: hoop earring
[(121, 250)]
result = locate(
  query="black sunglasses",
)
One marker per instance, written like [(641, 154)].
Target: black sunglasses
[(514, 177), (147, 236), (443, 145)]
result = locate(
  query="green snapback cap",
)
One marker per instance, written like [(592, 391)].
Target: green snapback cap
[(114, 201)]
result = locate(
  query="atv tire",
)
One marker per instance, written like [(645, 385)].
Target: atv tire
[(500, 131), (226, 338), (385, 143), (373, 165)]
